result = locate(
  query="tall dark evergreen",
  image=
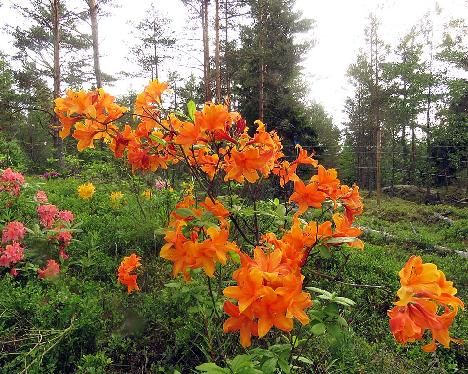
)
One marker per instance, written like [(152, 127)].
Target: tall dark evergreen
[(266, 70)]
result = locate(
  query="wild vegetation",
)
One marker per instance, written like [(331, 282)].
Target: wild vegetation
[(224, 223)]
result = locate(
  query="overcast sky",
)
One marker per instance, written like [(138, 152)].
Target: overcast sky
[(339, 33)]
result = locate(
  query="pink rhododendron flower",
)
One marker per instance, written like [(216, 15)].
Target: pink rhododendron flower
[(51, 270), (160, 184), (47, 215), (66, 215), (41, 197), (12, 254), (11, 182), (64, 238), (13, 232)]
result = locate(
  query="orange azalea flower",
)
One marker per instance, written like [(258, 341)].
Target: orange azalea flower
[(202, 247), (240, 322), (307, 196), (207, 162), (249, 289), (217, 209), (147, 102), (125, 273), (270, 310), (327, 181), (213, 117), (302, 158), (120, 141), (245, 164), (286, 172), (351, 200), (268, 290), (343, 229), (142, 159), (96, 108), (86, 132), (51, 270), (424, 292)]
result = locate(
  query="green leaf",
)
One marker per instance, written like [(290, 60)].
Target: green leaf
[(241, 361), (319, 290), (342, 321), (158, 139), (318, 329), (269, 366), (324, 251), (331, 309), (344, 239), (211, 368), (303, 359), (184, 212), (235, 257), (284, 365), (173, 285), (344, 301), (191, 107), (276, 201)]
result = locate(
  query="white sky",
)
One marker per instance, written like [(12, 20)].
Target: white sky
[(339, 33)]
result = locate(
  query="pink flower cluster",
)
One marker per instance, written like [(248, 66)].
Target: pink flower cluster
[(52, 269), (13, 232), (49, 215), (52, 218), (11, 182), (54, 221), (161, 184), (41, 197), (12, 254)]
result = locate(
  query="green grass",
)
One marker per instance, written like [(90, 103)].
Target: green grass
[(161, 328)]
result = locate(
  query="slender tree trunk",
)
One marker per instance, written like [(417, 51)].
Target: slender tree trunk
[(413, 153), (393, 159), (93, 11), (217, 59), (206, 51), (261, 99), (378, 135), (58, 144), (226, 67), (155, 46), (428, 145)]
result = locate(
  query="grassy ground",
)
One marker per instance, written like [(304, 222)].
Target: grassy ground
[(98, 328)]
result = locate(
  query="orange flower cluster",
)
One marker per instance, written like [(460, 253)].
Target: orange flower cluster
[(268, 293), (126, 271), (424, 293), (194, 241), (90, 113), (213, 140), (216, 143)]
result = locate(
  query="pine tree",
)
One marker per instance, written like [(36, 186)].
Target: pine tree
[(154, 42)]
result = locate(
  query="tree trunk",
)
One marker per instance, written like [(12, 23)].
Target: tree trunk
[(206, 51), (226, 71), (413, 153), (378, 135), (58, 144), (93, 11), (217, 59), (261, 99), (155, 45)]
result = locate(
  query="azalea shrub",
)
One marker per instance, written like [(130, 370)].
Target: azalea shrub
[(209, 230), (40, 245)]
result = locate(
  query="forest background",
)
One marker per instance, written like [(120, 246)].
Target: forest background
[(402, 121)]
